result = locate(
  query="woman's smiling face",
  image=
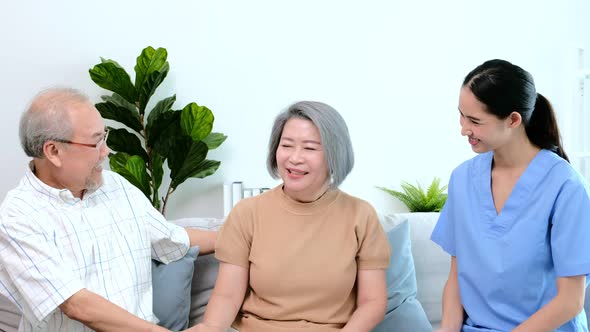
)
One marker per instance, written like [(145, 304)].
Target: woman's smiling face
[(301, 161)]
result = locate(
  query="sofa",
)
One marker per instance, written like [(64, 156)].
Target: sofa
[(428, 267)]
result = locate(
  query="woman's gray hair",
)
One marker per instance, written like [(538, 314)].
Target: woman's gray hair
[(334, 137), (47, 119)]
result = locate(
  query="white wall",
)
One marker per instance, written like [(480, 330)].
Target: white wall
[(392, 68)]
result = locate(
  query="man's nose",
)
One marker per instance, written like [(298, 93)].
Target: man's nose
[(104, 150)]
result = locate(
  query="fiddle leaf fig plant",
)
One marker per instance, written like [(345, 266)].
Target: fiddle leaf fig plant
[(148, 139), (419, 200)]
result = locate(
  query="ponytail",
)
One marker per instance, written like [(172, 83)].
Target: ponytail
[(542, 128), (505, 88)]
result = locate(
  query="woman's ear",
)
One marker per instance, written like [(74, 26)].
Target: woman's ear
[(514, 119), (52, 153)]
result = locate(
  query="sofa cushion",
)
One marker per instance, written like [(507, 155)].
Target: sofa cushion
[(203, 284), (404, 312), (432, 264), (171, 285), (206, 268), (407, 317), (9, 315)]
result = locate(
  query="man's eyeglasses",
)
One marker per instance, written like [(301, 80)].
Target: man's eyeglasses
[(97, 146)]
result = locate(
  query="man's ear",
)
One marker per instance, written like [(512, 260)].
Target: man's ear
[(53, 153), (514, 119)]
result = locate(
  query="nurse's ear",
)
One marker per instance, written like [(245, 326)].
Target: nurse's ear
[(514, 120)]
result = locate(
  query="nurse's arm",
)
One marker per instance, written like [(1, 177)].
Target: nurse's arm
[(568, 302), (452, 317)]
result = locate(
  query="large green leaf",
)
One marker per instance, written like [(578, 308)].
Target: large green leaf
[(121, 102), (185, 158), (157, 175), (196, 121), (162, 106), (205, 168), (103, 60), (151, 69), (149, 61), (214, 140), (165, 130), (123, 141), (150, 86), (133, 169), (109, 110), (111, 76)]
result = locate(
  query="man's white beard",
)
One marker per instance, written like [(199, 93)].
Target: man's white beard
[(92, 185)]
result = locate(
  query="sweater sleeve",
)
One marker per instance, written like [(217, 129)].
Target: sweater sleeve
[(234, 240), (374, 251)]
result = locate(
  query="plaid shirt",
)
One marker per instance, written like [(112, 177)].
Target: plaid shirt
[(52, 245)]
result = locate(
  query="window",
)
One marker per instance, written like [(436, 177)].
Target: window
[(580, 157)]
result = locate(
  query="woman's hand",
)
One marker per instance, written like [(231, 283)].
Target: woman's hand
[(446, 329), (205, 328)]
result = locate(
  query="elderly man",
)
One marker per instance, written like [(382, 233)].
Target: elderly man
[(76, 241)]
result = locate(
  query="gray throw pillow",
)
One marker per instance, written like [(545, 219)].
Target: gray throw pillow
[(407, 317), (404, 312), (171, 285), (9, 315), (206, 270)]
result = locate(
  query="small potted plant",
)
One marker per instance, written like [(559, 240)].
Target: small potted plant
[(419, 200)]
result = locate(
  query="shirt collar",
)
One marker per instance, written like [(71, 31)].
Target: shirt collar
[(62, 195)]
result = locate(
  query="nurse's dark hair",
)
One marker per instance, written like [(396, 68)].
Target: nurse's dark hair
[(505, 88)]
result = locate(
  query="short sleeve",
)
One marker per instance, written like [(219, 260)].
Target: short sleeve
[(35, 266), (374, 251), (570, 229), (169, 241), (235, 237), (444, 231)]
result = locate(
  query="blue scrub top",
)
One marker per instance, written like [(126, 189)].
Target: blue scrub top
[(508, 263)]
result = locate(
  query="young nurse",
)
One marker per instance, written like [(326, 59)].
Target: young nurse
[(517, 219)]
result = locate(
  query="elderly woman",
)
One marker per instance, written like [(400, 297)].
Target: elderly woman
[(303, 256)]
